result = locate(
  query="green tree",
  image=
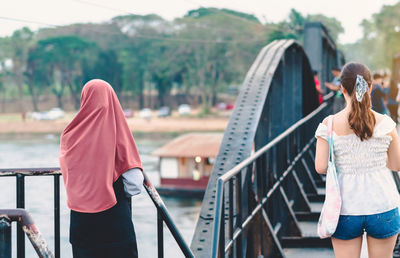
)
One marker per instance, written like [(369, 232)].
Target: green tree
[(61, 60), (334, 26), (293, 26), (4, 52), (226, 37), (139, 51), (166, 69), (36, 77), (380, 40), (19, 43), (106, 67)]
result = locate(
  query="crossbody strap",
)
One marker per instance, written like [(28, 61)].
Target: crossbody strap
[(330, 138)]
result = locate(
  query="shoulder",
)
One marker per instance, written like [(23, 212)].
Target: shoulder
[(384, 124), (379, 117), (322, 129), (335, 117), (325, 121)]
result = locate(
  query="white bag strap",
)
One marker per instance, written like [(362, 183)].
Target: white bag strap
[(330, 138)]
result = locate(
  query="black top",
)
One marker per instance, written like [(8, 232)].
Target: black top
[(378, 94), (112, 226)]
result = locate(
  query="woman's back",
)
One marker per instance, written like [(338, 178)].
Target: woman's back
[(366, 184)]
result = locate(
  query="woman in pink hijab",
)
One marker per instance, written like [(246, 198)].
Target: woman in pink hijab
[(101, 169)]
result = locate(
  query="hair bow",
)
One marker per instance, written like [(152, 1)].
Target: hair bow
[(361, 87)]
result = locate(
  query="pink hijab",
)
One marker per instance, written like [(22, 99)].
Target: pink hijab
[(96, 148)]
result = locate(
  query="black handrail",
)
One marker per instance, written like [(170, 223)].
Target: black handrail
[(231, 173), (163, 215)]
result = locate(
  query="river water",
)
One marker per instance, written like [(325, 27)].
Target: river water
[(42, 151)]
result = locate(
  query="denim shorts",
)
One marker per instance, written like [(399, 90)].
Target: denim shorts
[(381, 225)]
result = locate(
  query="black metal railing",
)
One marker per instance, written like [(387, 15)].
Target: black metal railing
[(163, 215), (24, 220), (266, 172), (20, 175)]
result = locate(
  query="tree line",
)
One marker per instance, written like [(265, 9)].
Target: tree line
[(380, 40), (202, 53)]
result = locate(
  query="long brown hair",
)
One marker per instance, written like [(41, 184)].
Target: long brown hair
[(361, 118)]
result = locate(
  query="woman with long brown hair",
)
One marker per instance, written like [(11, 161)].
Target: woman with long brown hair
[(366, 149)]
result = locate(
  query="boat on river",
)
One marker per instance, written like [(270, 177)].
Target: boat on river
[(185, 164)]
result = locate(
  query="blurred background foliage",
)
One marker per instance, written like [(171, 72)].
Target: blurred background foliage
[(203, 53), (380, 41)]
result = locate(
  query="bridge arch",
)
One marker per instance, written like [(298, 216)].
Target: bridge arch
[(278, 90)]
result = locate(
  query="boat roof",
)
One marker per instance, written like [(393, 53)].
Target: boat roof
[(192, 145)]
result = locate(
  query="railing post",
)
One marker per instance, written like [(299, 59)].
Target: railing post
[(238, 208), (230, 215), (160, 234), (222, 229), (57, 216), (20, 204), (5, 237), (219, 220)]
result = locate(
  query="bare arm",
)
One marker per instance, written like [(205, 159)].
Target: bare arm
[(393, 160), (332, 86), (322, 154)]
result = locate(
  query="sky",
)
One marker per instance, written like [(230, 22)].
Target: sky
[(61, 12)]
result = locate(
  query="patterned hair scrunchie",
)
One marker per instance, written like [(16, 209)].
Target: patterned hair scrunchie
[(361, 87)]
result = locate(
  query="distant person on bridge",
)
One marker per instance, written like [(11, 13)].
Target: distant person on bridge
[(379, 94), (101, 169), (318, 87), (366, 149), (392, 103), (338, 103)]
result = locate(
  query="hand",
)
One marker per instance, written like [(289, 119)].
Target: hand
[(331, 86)]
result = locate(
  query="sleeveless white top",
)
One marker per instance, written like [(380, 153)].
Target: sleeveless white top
[(366, 184)]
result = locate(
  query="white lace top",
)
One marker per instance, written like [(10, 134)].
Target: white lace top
[(366, 184)]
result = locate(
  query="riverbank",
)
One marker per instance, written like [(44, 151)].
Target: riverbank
[(12, 123)]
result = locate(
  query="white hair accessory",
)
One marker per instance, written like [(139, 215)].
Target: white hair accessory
[(361, 87)]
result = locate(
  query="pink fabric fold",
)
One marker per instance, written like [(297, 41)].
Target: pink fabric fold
[(96, 148)]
